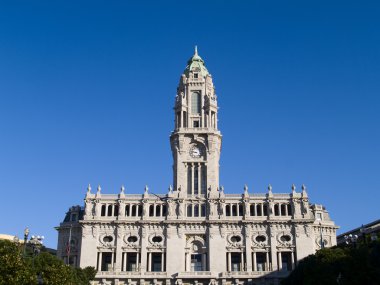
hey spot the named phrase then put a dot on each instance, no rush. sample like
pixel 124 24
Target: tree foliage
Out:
pixel 15 269
pixel 350 265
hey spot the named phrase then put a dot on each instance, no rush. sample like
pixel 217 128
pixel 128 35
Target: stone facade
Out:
pixel 196 233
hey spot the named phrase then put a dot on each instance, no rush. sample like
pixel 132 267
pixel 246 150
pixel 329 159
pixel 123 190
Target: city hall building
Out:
pixel 196 233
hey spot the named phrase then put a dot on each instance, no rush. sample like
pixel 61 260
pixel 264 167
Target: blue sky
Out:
pixel 87 90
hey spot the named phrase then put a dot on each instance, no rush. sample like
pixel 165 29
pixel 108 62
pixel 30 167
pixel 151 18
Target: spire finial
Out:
pixel 293 188
pixel 196 50
pixel 89 188
pixel 269 188
pixel 122 189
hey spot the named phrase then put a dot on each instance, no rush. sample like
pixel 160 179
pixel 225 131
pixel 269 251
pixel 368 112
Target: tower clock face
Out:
pixel 195 152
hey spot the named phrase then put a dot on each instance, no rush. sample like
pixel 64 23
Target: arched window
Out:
pixel 127 213
pixel 196 180
pixel 133 214
pixel 204 177
pixel 151 210
pixel 198 256
pixel 241 210
pixel 265 210
pixel 276 210
pixel 196 210
pixel 283 210
pixel 252 209
pixel 203 210
pixel 139 210
pixel 189 210
pixel 116 210
pixel 103 212
pixel 289 210
pixel 258 210
pixel 234 210
pixel 158 210
pixel 189 177
pixel 109 211
pixel 228 210
pixel 196 103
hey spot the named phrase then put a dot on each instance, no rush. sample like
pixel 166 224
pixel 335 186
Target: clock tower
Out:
pixel 196 140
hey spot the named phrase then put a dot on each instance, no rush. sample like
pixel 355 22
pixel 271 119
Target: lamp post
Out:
pixel 26 235
pixel 351 239
pixel 36 242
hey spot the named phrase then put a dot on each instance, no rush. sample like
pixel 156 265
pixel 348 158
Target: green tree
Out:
pixel 14 269
pixel 52 270
pixel 354 265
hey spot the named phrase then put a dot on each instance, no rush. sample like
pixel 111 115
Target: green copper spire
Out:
pixel 196 64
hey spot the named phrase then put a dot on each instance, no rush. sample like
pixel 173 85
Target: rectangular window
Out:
pixel 286 258
pixel 196 124
pixel 203 210
pixel 235 261
pixel 156 262
pixel 132 261
pixel 196 262
pixel 204 179
pixel 106 261
pixel 260 261
pixel 195 75
pixel 189 182
pixel 196 180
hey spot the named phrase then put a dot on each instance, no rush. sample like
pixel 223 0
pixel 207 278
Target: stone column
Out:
pixel 199 178
pixel 138 264
pixel 144 244
pixel 162 261
pixel 204 262
pixel 279 260
pixel 267 263
pixel 100 261
pixel 273 244
pixel 118 250
pixel 254 262
pixel 293 260
pixel 229 261
pixel 248 248
pixel 149 262
pixel 192 178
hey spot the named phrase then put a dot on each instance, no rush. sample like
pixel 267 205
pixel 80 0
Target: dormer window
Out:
pixel 73 217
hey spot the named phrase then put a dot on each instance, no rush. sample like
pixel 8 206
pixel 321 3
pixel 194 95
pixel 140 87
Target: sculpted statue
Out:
pixel 180 210
pixel 88 209
pixel 170 208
